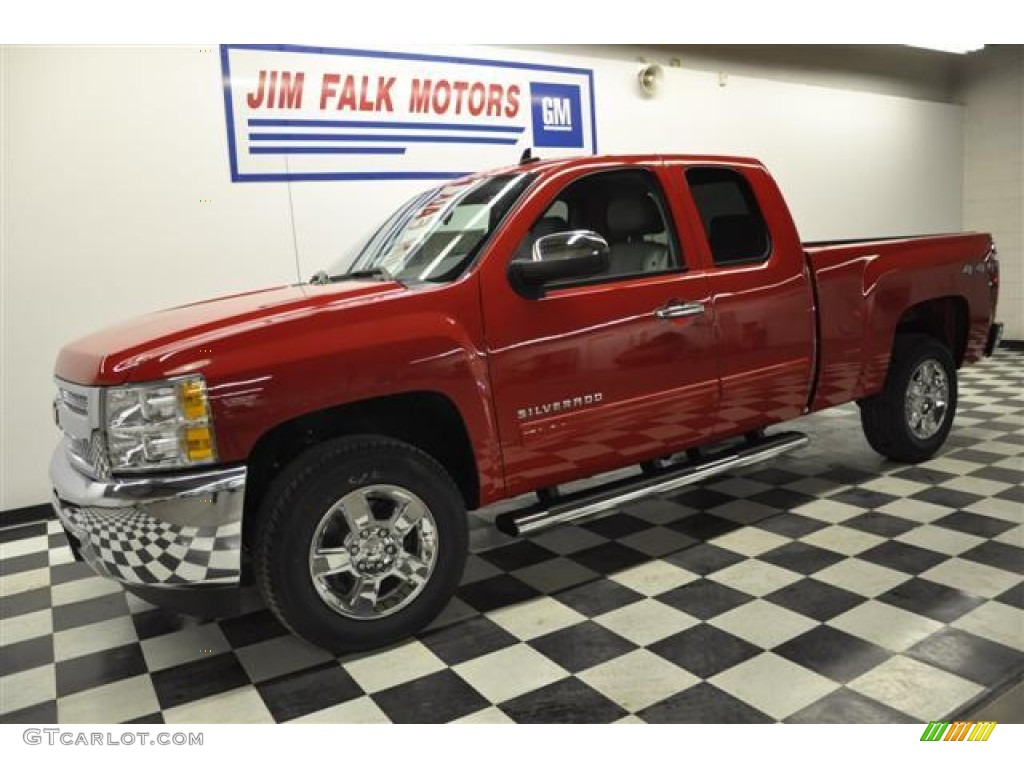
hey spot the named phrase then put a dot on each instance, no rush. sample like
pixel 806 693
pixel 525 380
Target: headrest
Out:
pixel 737 237
pixel 549 225
pixel 632 216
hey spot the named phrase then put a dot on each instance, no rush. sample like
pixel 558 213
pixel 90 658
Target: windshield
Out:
pixel 436 235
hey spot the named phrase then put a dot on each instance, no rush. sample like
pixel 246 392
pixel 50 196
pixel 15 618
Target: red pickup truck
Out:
pixel 506 333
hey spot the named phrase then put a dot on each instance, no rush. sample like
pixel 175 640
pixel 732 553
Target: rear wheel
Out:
pixel 910 418
pixel 361 542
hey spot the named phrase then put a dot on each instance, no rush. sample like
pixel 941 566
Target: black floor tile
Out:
pixel 923 475
pixel 847 475
pixel 198 679
pixel 832 653
pixel 597 597
pixel 19 532
pixel 158 622
pixel 250 628
pixel 704 599
pixel 863 498
pixel 609 558
pixel 969 656
pixel 704 526
pixel 976 525
pixel 467 640
pixel 96 669
pixel 20 603
pixel 704 558
pixel 975 456
pixel 154 718
pixel 30 562
pixel 567 701
pixel 880 524
pixel 582 646
pixel 17 657
pixel 1000 475
pixel 521 554
pixel 705 650
pixel 947 497
pixel 998 555
pixel 773 476
pixel 437 698
pixel 496 592
pixel 1016 493
pixel 936 601
pixel 301 693
pixel 815 599
pixel 848 707
pixel 781 499
pixel 617 526
pixel 43 713
pixel 65 572
pixel 801 557
pixel 703 704
pixel 1013 596
pixel 702 498
pixel 89 611
pixel 902 557
pixel 791 526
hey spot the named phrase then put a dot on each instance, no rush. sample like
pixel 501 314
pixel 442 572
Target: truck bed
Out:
pixel 866 288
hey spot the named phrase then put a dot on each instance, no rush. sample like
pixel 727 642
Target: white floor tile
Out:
pixel 918 689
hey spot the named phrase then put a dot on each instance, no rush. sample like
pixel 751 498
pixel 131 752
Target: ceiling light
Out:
pixel 949 48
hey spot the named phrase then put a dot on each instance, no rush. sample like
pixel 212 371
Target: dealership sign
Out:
pixel 301 113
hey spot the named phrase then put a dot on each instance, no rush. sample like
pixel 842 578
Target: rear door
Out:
pixel 760 292
pixel 607 371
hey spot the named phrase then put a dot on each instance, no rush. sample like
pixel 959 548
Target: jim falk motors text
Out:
pixel 279 89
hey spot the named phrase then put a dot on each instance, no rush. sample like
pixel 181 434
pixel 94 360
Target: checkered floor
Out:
pixel 828 586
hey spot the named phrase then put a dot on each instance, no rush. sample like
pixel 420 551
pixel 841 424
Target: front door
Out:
pixel 611 370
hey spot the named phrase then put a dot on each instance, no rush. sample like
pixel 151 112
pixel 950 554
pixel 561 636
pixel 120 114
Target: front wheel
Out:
pixel 910 418
pixel 361 542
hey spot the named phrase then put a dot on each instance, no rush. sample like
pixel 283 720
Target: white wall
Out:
pixel 993 92
pixel 109 152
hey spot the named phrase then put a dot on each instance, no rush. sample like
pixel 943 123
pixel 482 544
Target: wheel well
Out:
pixel 944 319
pixel 427 420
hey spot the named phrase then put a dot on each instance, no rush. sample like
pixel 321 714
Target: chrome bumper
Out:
pixel 160 531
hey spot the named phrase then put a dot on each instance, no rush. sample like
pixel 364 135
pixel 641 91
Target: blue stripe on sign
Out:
pixel 377 137
pixel 260 122
pixel 326 150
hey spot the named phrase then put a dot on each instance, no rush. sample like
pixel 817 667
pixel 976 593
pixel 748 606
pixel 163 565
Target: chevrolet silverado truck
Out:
pixel 496 337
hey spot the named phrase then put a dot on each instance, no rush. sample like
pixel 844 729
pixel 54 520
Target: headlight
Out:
pixel 164 425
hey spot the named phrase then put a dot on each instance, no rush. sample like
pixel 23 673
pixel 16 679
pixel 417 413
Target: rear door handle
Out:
pixel 680 309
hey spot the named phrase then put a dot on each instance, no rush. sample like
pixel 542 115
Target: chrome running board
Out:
pixel 569 509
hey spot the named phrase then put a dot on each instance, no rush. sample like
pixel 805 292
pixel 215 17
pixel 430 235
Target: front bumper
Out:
pixel 177 530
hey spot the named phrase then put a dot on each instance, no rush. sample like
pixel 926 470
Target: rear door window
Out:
pixel 733 223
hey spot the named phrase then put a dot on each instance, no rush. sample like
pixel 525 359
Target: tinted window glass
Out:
pixel 732 219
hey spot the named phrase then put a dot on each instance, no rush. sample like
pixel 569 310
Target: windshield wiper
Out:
pixel 379 272
pixel 322 278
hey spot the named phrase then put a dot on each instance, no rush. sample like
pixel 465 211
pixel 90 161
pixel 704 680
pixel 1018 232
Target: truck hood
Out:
pixel 109 356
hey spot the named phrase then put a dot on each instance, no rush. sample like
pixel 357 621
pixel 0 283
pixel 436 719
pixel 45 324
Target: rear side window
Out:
pixel 732 219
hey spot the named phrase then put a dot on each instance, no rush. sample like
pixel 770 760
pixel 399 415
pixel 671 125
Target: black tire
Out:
pixel 883 416
pixel 293 513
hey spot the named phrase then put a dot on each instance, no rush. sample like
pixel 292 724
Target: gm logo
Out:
pixel 557 115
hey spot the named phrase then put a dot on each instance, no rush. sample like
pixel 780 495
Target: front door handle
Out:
pixel 680 309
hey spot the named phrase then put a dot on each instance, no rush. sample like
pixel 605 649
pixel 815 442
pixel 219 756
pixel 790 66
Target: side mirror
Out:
pixel 561 256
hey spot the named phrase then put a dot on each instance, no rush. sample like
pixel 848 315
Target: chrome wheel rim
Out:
pixel 373 552
pixel 927 400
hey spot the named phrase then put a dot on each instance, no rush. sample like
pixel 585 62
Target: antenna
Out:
pixel 527 157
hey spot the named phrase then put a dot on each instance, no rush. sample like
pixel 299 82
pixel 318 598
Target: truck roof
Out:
pixel 561 163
